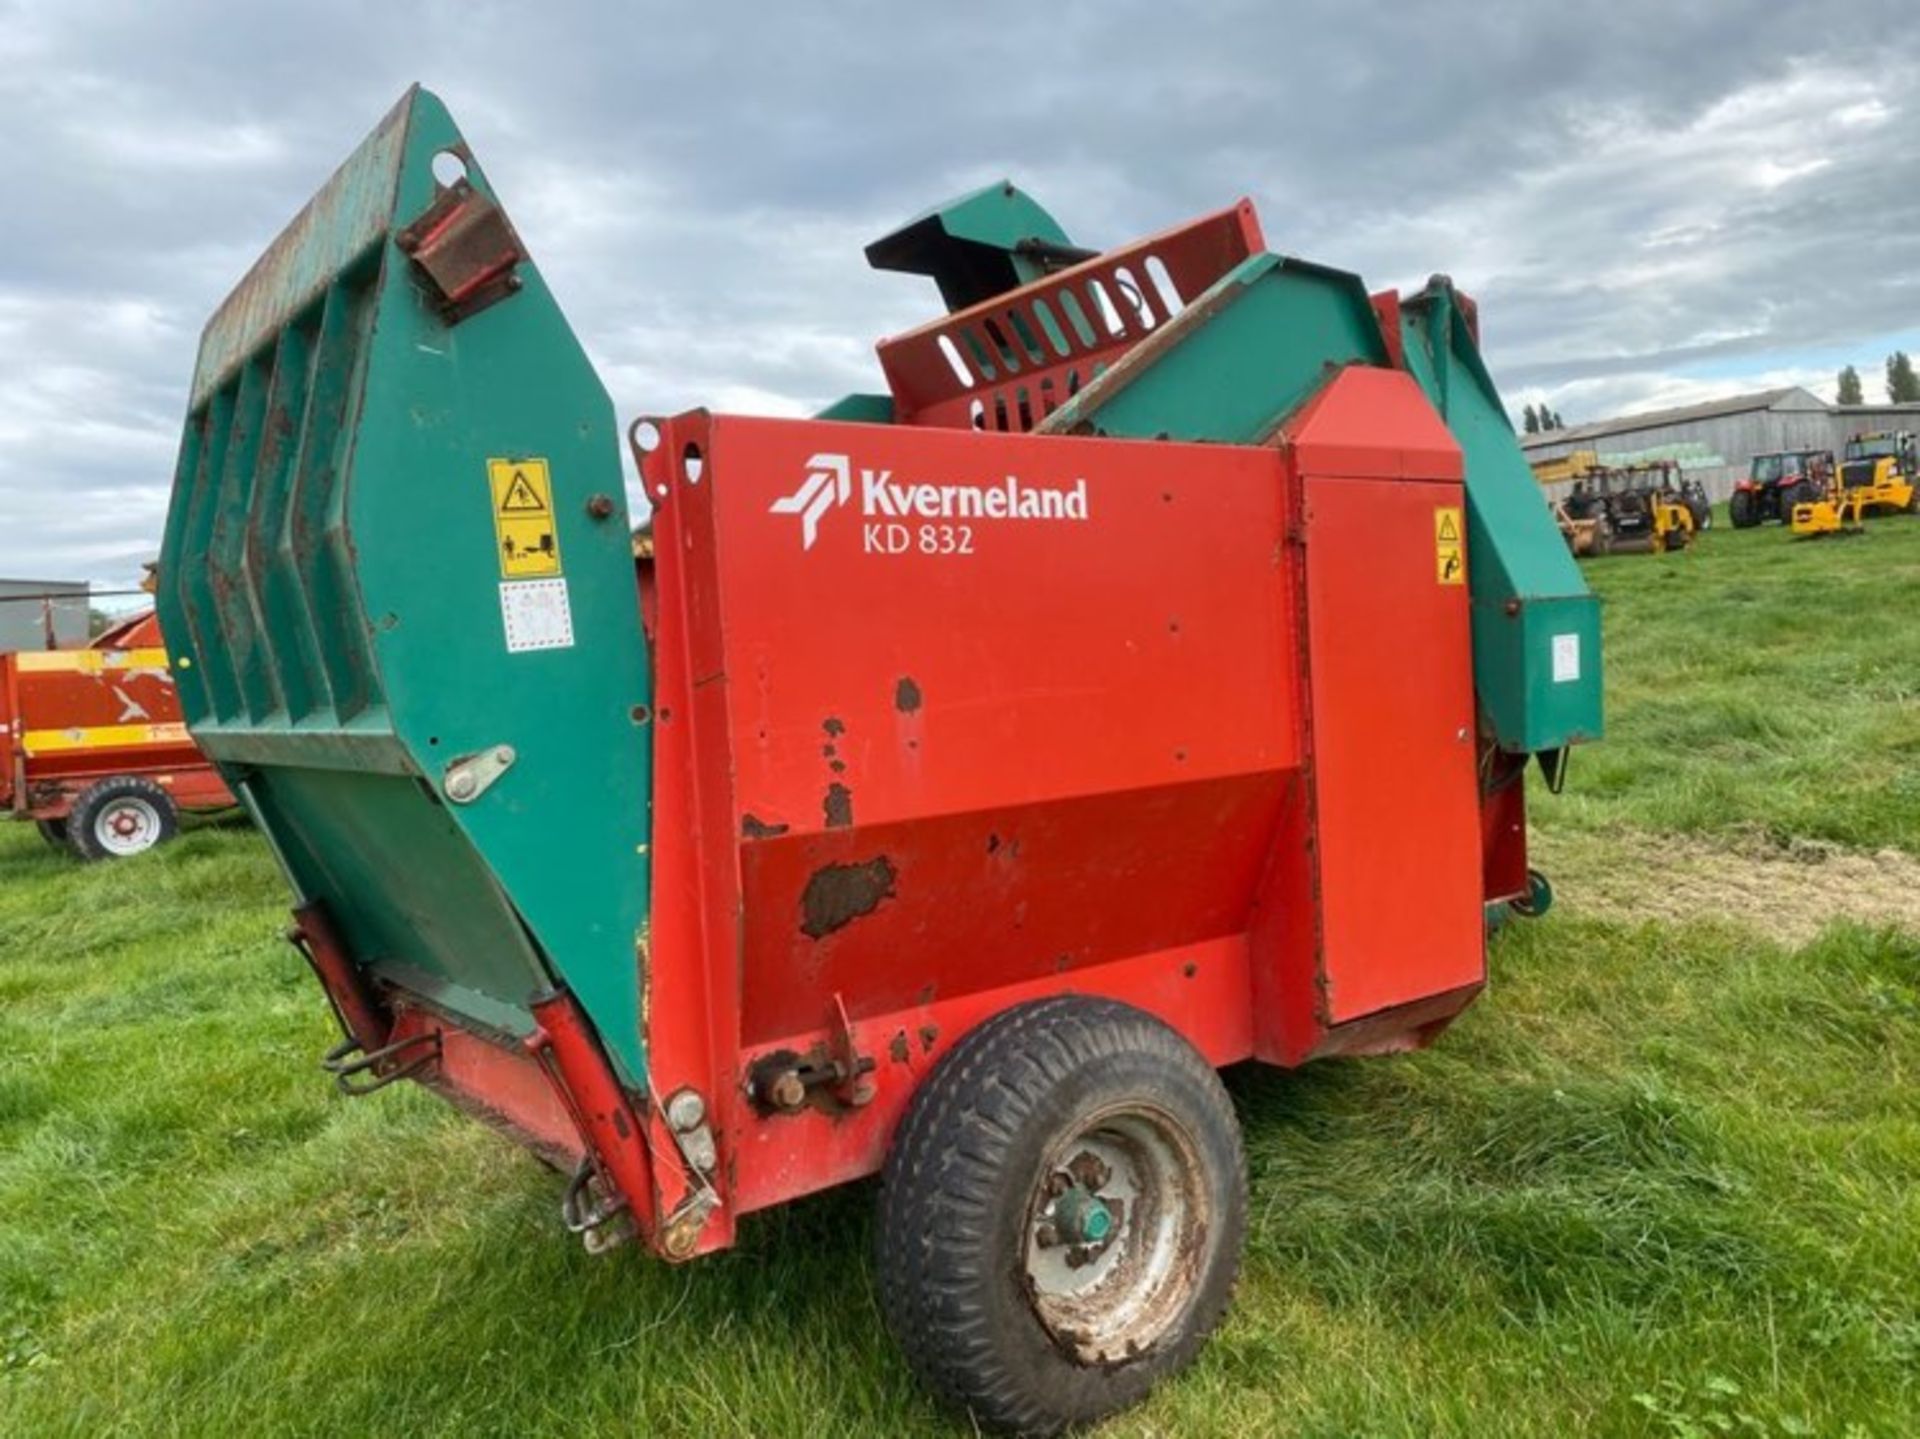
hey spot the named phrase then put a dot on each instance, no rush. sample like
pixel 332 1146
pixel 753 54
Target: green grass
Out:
pixel 1665 1178
pixel 1761 682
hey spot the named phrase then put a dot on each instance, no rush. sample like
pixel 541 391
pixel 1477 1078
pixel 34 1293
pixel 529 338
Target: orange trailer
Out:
pixel 95 751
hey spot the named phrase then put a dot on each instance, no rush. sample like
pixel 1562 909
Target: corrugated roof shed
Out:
pixel 1654 419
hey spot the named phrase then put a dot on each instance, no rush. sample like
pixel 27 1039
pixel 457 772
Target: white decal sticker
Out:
pixel 536 614
pixel 1566 659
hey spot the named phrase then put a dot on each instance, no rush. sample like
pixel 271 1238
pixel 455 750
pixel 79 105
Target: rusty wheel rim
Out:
pixel 1107 1300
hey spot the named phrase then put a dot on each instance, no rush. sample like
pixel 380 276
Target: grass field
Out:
pixel 1664 1178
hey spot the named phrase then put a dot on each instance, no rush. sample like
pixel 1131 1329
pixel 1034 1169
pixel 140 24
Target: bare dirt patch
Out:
pixel 1790 894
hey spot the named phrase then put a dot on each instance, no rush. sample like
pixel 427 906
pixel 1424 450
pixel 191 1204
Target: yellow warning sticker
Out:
pixel 1449 546
pixel 523 518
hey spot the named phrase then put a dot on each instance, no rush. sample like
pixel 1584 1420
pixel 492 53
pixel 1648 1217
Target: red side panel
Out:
pixel 1395 821
pixel 1369 930
pixel 1393 723
pixel 918 766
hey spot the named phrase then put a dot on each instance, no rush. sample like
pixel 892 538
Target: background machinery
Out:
pixel 1880 470
pixel 93 746
pixel 1875 475
pixel 1644 508
pixel 904 821
pixel 1776 482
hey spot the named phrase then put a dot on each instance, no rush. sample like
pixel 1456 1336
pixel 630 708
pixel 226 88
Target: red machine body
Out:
pixel 1219 761
pixel 69 718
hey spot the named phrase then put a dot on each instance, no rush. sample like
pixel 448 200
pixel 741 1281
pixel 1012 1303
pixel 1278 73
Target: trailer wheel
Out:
pixel 1740 510
pixel 1062 1214
pixel 53 831
pixel 119 816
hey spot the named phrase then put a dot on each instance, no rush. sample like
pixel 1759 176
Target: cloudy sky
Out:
pixel 1654 203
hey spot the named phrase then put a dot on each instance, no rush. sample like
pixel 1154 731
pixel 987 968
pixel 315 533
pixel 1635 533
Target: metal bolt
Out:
pixel 679 1241
pixel 787 1092
pixel 462 784
pixel 686 1110
pixel 1088 1169
pixel 1046 1236
pixel 600 507
pixel 504 754
pixel 699 1149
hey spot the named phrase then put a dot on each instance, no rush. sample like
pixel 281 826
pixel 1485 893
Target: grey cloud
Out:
pixel 697 183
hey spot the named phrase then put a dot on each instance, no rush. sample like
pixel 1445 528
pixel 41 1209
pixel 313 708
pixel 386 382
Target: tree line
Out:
pixel 1539 421
pixel 1903 385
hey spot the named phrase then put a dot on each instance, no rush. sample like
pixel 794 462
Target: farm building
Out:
pixel 1714 441
pixel 42 614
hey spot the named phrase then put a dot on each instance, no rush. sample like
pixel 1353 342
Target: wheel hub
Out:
pixel 1114 1230
pixel 127 826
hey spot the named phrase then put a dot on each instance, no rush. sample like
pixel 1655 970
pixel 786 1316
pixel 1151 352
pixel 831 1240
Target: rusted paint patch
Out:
pixel 834 726
pixel 898 1047
pixel 906 695
pixel 753 827
pixel 838 894
pixel 838 806
pixel 929 1036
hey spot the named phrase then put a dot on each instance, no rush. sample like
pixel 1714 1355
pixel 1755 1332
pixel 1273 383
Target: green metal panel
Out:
pixel 1536 626
pixel 974 247
pixel 334 593
pixel 860 409
pixel 1234 363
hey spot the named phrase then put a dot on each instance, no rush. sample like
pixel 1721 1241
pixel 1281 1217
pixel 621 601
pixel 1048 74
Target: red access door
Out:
pixel 1390 677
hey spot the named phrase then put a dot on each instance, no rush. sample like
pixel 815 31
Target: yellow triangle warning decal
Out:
pixel 1449 529
pixel 521 498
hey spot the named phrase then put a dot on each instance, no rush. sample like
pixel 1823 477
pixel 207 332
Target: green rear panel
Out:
pixel 1536 627
pixel 1234 363
pixel 334 597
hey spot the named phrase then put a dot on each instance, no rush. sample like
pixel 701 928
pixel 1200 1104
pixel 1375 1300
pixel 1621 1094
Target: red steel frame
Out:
pixel 1007 363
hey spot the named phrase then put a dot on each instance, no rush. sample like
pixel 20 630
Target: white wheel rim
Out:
pixel 127 825
pixel 1110 1301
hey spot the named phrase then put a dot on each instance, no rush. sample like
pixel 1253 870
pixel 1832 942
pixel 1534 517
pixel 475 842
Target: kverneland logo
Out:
pixel 829 485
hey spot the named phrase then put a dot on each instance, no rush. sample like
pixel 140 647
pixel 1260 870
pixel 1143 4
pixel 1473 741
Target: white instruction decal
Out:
pixel 537 615
pixel 1566 658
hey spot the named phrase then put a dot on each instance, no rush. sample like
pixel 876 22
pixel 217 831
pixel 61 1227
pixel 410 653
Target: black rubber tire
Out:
pixel 53 831
pixel 84 819
pixel 956 1196
pixel 1740 510
pixel 1702 514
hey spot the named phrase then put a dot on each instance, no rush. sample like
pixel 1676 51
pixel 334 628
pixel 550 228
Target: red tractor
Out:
pixel 1776 482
